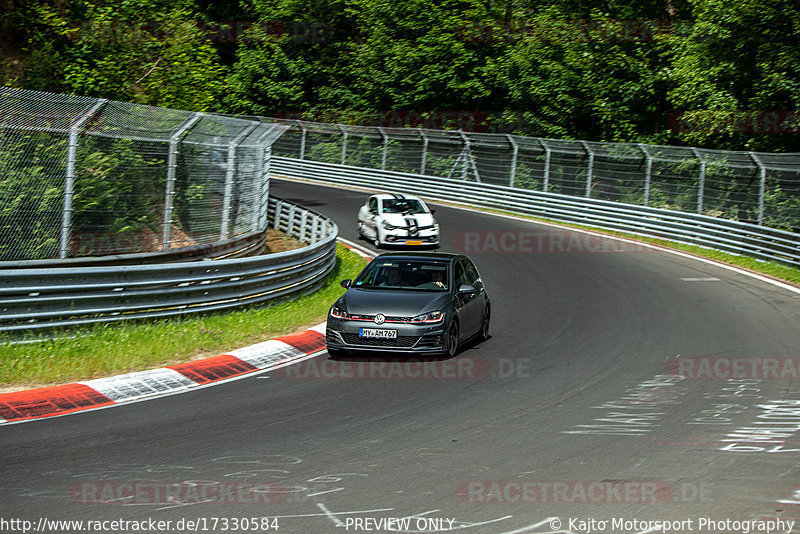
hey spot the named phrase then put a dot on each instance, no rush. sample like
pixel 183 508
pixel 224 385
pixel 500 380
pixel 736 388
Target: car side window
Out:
pixel 461 275
pixel 471 272
pixel 373 205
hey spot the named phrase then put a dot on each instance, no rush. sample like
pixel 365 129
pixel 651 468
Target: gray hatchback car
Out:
pixel 422 303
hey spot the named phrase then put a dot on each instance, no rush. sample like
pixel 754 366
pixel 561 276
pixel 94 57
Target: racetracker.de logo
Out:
pixel 727 368
pixel 565 492
pixel 142 492
pixel 398 369
pixel 536 242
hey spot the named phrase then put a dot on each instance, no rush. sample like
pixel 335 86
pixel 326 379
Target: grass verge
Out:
pixel 105 350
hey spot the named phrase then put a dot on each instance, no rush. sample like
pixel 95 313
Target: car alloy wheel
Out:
pixel 485 325
pixel 451 346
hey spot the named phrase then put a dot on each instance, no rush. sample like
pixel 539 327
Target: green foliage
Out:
pixel 737 57
pixel 31 196
pixel 144 51
pixel 613 70
pixel 116 188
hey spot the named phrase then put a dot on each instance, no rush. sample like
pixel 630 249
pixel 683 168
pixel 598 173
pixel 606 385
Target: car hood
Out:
pixel 398 219
pixel 396 302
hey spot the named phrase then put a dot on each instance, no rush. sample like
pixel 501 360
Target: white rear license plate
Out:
pixel 377 332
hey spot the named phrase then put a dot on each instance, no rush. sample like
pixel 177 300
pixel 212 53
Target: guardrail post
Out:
pixel 276 223
pixel 547 153
pixel 229 176
pixel 172 159
pixel 315 230
pixel 69 181
pixel 424 160
pixel 344 143
pixel 303 225
pixel 648 174
pixel 385 148
pixel 515 148
pixel 762 190
pixel 290 222
pixel 701 181
pixel 589 169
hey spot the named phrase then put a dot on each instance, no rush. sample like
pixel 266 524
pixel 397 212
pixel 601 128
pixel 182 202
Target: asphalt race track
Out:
pixel 624 389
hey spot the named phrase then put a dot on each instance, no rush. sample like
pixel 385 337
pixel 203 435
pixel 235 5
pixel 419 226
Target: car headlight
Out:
pixel 388 226
pixel 339 313
pixel 428 318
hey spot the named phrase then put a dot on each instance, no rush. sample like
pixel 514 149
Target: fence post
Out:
pixel 590 168
pixel 172 159
pixel 762 190
pixel 229 176
pixel 261 210
pixel 648 176
pixel 302 140
pixel 344 143
pixel 469 161
pixel 547 152
pixel 69 181
pixel 515 148
pixel 424 151
pixel 385 148
pixel 701 181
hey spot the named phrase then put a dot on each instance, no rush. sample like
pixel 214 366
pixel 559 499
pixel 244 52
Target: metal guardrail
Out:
pixel 730 236
pixel 752 187
pixel 45 298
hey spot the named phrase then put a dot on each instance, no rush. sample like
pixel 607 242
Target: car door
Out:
pixel 481 297
pixel 370 214
pixel 469 303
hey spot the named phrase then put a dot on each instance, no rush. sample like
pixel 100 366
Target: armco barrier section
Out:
pixel 731 236
pixel 45 298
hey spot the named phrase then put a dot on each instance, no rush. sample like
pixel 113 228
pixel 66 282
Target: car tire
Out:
pixel 377 242
pixel 484 331
pixel 451 340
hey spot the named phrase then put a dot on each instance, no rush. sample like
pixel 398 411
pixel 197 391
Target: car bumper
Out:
pixel 397 237
pixel 417 339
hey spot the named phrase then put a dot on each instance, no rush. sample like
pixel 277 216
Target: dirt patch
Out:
pixel 277 241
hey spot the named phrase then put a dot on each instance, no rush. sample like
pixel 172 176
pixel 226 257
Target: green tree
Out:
pixel 738 59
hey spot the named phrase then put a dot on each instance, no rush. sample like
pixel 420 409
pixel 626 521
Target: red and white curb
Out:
pixel 54 401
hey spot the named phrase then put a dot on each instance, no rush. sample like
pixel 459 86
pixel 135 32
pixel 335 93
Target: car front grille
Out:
pixel 400 342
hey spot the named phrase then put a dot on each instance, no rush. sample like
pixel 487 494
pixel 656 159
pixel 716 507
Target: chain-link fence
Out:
pixel 85 177
pixel 750 187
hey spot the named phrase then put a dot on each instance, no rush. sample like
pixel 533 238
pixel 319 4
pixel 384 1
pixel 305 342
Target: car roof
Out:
pixel 422 255
pixel 396 196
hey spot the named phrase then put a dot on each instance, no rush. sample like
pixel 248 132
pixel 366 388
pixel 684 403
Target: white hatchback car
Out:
pixel 397 219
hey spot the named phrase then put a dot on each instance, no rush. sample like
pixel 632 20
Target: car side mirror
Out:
pixel 466 288
pixel 346 283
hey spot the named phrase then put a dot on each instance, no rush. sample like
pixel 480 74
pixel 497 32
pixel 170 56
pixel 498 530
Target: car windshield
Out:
pixel 416 275
pixel 403 205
